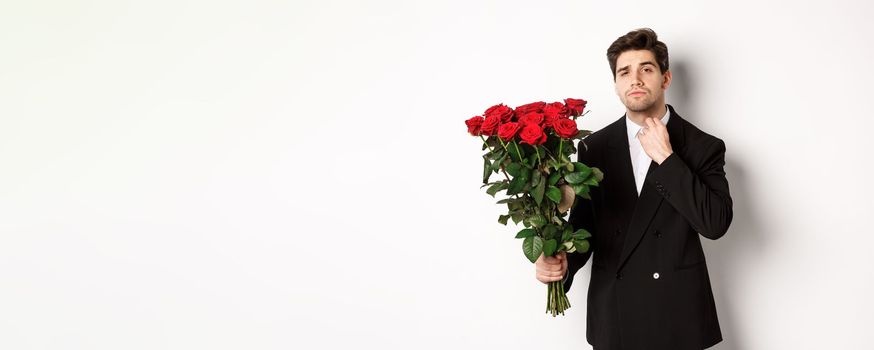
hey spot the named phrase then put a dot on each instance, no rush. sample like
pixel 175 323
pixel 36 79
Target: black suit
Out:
pixel 650 287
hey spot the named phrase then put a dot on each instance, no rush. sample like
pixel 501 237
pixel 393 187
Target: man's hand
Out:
pixel 551 268
pixel 654 139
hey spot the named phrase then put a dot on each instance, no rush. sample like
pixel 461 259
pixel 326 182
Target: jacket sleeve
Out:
pixel 701 196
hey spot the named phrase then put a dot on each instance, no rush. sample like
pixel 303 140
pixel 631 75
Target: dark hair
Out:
pixel 638 39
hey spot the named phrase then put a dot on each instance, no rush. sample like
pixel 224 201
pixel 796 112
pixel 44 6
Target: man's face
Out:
pixel 639 82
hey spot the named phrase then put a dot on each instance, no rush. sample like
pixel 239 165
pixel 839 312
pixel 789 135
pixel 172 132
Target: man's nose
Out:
pixel 635 80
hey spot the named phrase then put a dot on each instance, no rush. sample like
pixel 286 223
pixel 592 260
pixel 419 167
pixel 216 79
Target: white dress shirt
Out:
pixel 640 161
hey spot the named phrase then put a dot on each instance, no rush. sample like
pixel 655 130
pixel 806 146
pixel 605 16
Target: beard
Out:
pixel 640 105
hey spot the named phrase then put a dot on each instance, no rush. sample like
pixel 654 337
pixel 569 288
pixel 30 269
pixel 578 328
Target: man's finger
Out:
pixel 642 137
pixel 650 122
pixel 549 275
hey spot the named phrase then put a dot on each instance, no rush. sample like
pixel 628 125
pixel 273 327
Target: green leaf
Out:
pixel 598 174
pixel 581 134
pixel 503 219
pixel 584 195
pixel 591 181
pixel 580 189
pixel 486 170
pixel 557 220
pixel 500 160
pixel 582 234
pixel 566 236
pixel 516 185
pixel 536 177
pixel 554 164
pixel 514 169
pixel 492 183
pixel 537 220
pixel 495 188
pixel 532 247
pixel 553 178
pixel 582 246
pixel 549 231
pixel 549 247
pixel 526 232
pixel 554 194
pixel 576 178
pixel 537 192
pixel 560 144
pixel 517 218
pixel 517 153
pixel 580 168
pixel 531 161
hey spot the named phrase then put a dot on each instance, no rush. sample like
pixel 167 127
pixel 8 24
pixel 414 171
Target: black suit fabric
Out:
pixel 650 287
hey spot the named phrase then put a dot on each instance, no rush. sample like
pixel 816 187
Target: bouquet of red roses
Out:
pixel 531 147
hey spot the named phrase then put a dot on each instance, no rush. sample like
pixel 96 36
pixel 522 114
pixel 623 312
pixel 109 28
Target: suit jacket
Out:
pixel 649 287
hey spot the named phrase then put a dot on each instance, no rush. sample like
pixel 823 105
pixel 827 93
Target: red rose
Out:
pixel 565 128
pixel 549 121
pixel 555 109
pixel 490 125
pixel 532 134
pixel 575 106
pixel 535 107
pixel 473 125
pixel 500 110
pixel 508 130
pixel 531 118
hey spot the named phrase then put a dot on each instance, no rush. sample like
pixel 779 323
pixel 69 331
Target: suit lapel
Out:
pixel 649 201
pixel 621 169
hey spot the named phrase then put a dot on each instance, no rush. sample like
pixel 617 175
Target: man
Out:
pixel 664 184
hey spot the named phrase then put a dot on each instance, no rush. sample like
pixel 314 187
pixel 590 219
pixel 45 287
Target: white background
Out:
pixel 297 175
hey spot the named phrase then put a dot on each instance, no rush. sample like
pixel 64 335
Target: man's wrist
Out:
pixel 665 157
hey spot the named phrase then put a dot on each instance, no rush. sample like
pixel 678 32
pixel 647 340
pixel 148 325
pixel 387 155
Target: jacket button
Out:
pixel 655 276
pixel 619 276
pixel 658 234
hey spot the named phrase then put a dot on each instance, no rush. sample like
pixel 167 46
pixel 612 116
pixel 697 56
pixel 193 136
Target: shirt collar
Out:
pixel 632 128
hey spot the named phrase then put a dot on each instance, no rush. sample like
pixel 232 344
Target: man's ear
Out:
pixel 667 80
